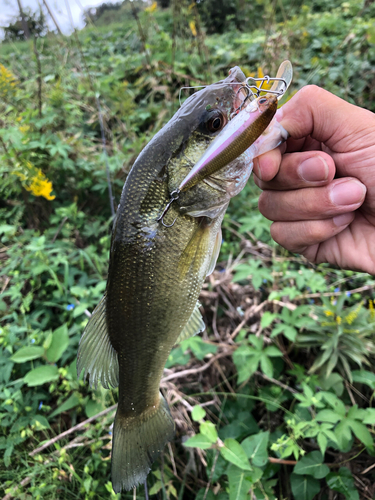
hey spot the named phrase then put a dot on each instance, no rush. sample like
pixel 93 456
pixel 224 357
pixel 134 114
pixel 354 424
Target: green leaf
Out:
pixel 266 366
pixel 267 319
pixel 41 375
pixel 322 442
pixel 198 413
pixel 364 377
pixel 304 487
pixel 239 486
pixel 361 432
pixel 328 416
pixel 59 343
pixel 343 434
pixel 68 404
pixel 343 482
pixel 41 422
pixel 198 347
pixel 234 453
pixel 311 465
pixel 208 429
pixel 93 407
pixel 272 351
pixel 7 455
pixel 27 353
pixel 370 416
pixel 198 441
pixel 256 448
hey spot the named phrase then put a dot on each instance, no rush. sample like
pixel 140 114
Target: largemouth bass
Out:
pixel 156 272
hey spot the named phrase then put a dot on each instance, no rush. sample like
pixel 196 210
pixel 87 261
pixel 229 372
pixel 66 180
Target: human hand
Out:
pixel 319 187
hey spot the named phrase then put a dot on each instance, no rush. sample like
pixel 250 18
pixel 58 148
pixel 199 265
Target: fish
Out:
pixel 156 272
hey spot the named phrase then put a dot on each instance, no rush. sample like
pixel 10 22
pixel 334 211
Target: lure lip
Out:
pixel 243 121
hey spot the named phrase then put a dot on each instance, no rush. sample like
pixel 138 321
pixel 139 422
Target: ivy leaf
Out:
pixel 235 454
pixel 343 482
pixel 304 487
pixel 256 448
pixel 208 429
pixel 239 486
pixel 198 413
pixel 311 465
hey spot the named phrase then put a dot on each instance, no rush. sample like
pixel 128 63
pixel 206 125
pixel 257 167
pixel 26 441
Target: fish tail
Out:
pixel 137 442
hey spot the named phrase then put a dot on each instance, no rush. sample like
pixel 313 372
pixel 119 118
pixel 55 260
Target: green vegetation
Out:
pixel 276 400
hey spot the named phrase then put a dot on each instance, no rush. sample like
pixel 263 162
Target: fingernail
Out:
pixel 314 169
pixel 256 168
pixel 343 220
pixel 348 193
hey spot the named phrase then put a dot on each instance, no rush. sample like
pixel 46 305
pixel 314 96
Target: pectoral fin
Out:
pixel 195 253
pixel 194 326
pixel 96 357
pixel 215 253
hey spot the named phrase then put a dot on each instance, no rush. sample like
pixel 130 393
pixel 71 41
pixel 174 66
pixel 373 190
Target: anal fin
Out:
pixel 96 357
pixel 194 325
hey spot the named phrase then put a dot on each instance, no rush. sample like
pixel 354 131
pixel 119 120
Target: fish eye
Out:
pixel 263 100
pixel 215 122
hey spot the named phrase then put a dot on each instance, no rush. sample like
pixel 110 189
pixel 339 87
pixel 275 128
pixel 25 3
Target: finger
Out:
pixel 266 166
pixel 300 236
pixel 300 170
pixel 316 112
pixel 340 196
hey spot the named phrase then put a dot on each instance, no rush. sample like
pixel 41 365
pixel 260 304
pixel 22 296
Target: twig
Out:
pixel 368 469
pixel 39 78
pixel 89 78
pixel 191 371
pixel 141 34
pixel 334 294
pixel 276 382
pixel 211 474
pixel 220 370
pixel 59 229
pixel 105 154
pixel 252 311
pixel 7 281
pixel 72 429
pixel 24 482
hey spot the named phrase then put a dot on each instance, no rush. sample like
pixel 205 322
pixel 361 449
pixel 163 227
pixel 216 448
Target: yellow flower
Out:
pixel 24 128
pixel 328 313
pixel 152 7
pixel 338 320
pixel 193 29
pixel 7 81
pixel 353 315
pixel 35 181
pixel 371 304
pixel 41 186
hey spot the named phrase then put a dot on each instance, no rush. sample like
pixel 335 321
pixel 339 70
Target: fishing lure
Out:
pixel 249 122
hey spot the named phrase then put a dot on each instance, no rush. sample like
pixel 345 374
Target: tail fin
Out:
pixel 137 442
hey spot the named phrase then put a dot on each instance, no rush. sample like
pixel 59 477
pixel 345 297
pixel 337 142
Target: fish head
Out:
pixel 207 113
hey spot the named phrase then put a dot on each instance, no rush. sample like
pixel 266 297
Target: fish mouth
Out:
pixel 237 79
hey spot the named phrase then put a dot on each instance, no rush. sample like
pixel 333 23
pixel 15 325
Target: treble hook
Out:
pixel 266 79
pixel 174 196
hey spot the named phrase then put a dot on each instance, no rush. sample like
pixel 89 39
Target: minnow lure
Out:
pixel 240 133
